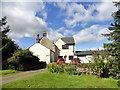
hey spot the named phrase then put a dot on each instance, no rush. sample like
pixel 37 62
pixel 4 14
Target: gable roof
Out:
pixel 69 41
pixel 47 43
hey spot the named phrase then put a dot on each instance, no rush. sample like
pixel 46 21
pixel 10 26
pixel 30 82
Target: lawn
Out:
pixel 7 72
pixel 49 80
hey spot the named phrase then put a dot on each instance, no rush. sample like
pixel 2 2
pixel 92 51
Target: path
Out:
pixel 20 75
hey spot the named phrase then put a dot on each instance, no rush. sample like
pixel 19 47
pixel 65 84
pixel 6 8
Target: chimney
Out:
pixel 37 39
pixel 44 34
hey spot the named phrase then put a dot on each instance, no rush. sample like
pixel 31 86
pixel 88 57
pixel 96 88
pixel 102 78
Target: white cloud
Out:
pixel 21 16
pixel 66 32
pixel 53 34
pixel 93 33
pixel 22 20
pixel 78 14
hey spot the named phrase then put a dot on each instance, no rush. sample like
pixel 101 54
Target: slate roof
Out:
pixel 69 41
pixel 84 53
pixel 47 43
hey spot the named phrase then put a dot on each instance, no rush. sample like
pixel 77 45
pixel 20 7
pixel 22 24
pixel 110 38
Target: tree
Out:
pixel 8 46
pixel 113 48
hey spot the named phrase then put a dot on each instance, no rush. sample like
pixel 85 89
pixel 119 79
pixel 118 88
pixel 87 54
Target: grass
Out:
pixel 49 80
pixel 7 72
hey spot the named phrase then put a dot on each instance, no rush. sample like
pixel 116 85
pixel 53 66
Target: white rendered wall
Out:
pixel 65 52
pixel 41 52
pixel 85 59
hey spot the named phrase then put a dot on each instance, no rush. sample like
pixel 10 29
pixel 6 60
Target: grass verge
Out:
pixel 7 72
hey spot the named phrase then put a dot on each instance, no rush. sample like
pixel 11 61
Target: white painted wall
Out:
pixel 59 44
pixel 41 52
pixel 85 59
pixel 63 52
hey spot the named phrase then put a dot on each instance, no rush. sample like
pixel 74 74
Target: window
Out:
pixel 65 46
pixel 70 57
pixel 65 57
pixel 60 56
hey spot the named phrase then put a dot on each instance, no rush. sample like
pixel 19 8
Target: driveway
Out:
pixel 20 75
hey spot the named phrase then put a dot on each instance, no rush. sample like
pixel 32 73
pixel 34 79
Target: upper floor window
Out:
pixel 65 47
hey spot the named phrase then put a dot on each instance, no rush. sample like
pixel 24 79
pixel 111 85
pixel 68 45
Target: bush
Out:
pixel 23 60
pixel 53 67
pixel 100 67
pixel 70 69
pixel 42 64
pixel 59 68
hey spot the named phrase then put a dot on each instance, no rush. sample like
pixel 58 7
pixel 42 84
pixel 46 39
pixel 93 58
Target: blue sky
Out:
pixel 84 21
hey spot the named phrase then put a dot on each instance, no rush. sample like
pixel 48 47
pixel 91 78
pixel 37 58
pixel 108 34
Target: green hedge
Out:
pixel 24 60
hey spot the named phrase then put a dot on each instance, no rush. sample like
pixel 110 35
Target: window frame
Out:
pixel 65 46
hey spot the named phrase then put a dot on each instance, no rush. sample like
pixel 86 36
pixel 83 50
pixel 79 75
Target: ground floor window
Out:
pixel 65 57
pixel 60 56
pixel 70 57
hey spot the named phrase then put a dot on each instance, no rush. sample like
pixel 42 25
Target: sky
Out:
pixel 84 21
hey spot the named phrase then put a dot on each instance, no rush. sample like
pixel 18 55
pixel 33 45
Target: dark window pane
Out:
pixel 60 56
pixel 64 46
pixel 70 57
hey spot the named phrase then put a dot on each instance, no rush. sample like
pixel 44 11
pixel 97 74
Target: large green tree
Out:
pixel 113 48
pixel 8 46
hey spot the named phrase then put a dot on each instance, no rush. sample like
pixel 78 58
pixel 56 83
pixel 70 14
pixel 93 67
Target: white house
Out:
pixel 66 47
pixel 44 49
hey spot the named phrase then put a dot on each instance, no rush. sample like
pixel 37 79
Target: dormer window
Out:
pixel 65 47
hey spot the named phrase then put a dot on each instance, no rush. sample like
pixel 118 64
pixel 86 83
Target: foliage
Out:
pixel 54 80
pixel 62 68
pixel 113 48
pixel 54 68
pixel 23 60
pixel 99 65
pixel 8 46
pixel 71 69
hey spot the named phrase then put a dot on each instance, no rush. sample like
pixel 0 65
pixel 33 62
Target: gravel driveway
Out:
pixel 20 75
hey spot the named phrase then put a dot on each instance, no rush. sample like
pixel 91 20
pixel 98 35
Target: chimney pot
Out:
pixel 37 39
pixel 44 34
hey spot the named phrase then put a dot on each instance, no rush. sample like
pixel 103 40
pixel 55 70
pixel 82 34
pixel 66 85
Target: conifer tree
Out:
pixel 113 48
pixel 8 46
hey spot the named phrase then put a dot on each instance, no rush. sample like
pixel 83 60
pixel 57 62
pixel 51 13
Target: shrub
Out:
pixel 70 69
pixel 53 67
pixel 59 68
pixel 100 67
pixel 23 60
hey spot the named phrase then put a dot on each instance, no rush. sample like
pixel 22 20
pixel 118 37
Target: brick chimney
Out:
pixel 44 34
pixel 37 39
